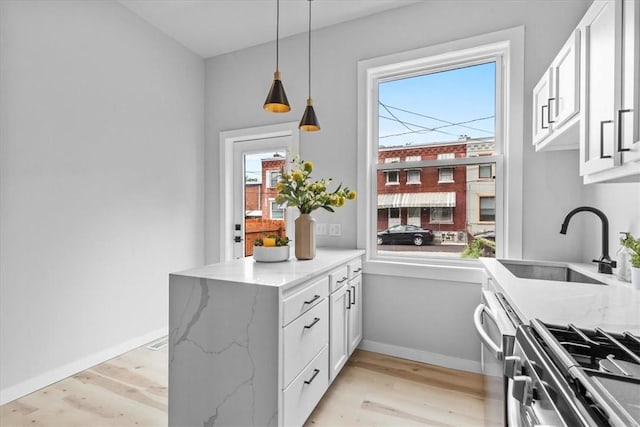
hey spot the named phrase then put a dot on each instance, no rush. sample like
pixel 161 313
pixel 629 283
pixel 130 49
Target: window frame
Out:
pixel 270 174
pixel 408 173
pixel 486 196
pixel 449 220
pixel 272 201
pixel 386 177
pixel 441 180
pixel 507 48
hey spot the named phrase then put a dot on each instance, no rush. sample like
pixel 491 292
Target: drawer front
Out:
pixel 303 339
pixel 355 268
pixel 338 278
pixel 305 299
pixel 304 393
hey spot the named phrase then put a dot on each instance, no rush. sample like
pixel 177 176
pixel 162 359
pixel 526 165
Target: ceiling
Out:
pixel 214 27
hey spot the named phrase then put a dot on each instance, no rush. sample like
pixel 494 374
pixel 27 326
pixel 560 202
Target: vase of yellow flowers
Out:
pixel 300 190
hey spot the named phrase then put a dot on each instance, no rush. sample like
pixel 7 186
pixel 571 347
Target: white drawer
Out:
pixel 303 339
pixel 303 300
pixel 305 391
pixel 338 278
pixel 355 268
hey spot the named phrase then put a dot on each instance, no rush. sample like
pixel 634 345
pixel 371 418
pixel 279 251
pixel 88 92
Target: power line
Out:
pixel 439 127
pixel 421 131
pixel 395 117
pixel 461 124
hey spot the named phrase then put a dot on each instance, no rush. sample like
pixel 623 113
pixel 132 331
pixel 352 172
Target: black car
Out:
pixel 405 234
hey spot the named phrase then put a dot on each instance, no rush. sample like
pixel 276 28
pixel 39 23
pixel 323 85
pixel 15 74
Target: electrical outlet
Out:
pixel 335 230
pixel 321 228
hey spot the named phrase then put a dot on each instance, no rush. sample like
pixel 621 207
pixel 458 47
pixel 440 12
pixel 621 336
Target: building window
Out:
pixel 393 177
pixel 392 160
pixel 487 208
pixel 446 156
pixel 413 216
pixel 273 178
pixel 276 210
pixel 413 158
pixel 413 176
pixel 441 216
pixel 485 172
pixel 445 175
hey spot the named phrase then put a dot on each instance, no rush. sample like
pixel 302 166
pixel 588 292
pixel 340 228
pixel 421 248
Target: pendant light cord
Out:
pixel 277 32
pixel 309 48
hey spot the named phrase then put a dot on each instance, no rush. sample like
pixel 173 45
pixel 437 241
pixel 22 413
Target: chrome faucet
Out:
pixel 605 264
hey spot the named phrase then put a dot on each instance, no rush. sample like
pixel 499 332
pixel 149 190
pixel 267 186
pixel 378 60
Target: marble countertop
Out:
pixel 277 274
pixel 614 307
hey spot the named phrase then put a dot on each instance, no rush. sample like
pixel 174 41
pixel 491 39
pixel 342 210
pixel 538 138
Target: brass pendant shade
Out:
pixel 309 122
pixel 277 101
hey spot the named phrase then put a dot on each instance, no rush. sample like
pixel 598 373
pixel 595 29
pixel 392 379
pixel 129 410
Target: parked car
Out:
pixel 405 234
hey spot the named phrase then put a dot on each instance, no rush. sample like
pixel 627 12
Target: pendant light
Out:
pixel 309 120
pixel 277 101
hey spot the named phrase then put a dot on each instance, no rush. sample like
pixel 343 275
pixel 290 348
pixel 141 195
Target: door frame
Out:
pixel 226 166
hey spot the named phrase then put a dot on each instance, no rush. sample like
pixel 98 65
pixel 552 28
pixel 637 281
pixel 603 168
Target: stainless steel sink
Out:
pixel 558 273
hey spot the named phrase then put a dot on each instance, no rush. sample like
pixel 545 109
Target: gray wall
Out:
pixel 101 184
pixel 237 83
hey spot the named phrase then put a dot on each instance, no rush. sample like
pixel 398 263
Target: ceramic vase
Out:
pixel 635 277
pixel 305 237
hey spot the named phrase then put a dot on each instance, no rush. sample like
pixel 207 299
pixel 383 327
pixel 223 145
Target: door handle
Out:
pixel 312 300
pixel 620 112
pixel 542 126
pixel 484 337
pixel 602 123
pixel 549 110
pixel 313 377
pixel 348 299
pixel 354 295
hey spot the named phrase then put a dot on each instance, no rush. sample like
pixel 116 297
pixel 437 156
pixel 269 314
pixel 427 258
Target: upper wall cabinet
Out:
pixel 609 134
pixel 556 100
pixel 589 96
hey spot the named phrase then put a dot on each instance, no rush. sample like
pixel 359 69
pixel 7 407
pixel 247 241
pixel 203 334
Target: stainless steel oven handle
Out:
pixel 486 339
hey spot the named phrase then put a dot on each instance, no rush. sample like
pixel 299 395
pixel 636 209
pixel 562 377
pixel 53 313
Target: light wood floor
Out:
pixel 372 390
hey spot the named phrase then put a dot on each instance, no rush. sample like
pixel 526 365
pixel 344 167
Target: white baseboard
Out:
pixel 23 388
pixel 422 356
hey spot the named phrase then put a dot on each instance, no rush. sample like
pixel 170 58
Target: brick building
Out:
pixel 433 198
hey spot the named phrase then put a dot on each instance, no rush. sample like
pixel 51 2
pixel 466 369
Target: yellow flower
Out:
pixel 333 200
pixel 297 176
pixel 280 186
pixel 351 195
pixel 279 199
pixel 340 201
pixel 308 166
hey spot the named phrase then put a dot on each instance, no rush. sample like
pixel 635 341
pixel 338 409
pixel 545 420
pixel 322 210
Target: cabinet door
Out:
pixel 602 61
pixel 355 313
pixel 338 335
pixel 566 82
pixel 541 95
pixel 628 115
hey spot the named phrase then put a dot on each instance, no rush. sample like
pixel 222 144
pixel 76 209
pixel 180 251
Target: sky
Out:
pixel 453 96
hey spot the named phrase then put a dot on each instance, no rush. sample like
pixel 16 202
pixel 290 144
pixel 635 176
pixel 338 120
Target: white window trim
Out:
pixel 446 181
pixel 445 221
pixel 386 177
pixel 507 44
pixel 271 202
pixel 269 173
pixel 419 181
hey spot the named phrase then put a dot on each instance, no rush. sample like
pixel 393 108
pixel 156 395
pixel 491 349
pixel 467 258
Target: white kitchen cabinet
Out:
pixel 345 315
pixel 556 100
pixel 251 343
pixel 610 148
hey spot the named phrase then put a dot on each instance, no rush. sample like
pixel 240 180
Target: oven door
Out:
pixel 497 334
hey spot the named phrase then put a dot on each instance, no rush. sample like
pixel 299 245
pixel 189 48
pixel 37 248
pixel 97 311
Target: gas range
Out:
pixel 563 375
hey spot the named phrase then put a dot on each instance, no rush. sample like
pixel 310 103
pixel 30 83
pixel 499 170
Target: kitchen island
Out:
pixel 249 342
pixel 614 306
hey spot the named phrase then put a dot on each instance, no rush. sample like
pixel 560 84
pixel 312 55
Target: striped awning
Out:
pixel 417 200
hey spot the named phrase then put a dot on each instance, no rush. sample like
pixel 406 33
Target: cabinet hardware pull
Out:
pixel 620 149
pixel 354 295
pixel 349 299
pixel 315 373
pixel 312 300
pixel 549 110
pixel 542 117
pixel 315 320
pixel 357 270
pixel 602 123
pixel 343 279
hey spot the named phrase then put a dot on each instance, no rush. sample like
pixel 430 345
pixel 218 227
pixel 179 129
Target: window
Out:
pixel 413 176
pixel 487 209
pixel 413 158
pixel 393 177
pixel 435 124
pixel 273 178
pixel 277 211
pixel 392 160
pixel 441 216
pixel 484 172
pixel 445 175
